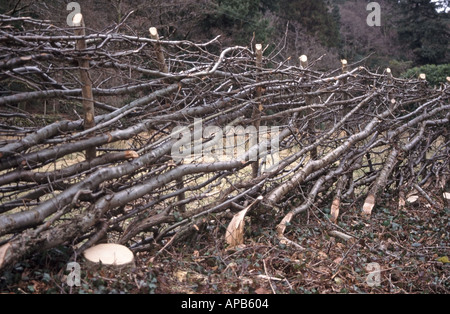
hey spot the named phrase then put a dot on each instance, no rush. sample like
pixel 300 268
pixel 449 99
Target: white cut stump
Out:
pixel 109 254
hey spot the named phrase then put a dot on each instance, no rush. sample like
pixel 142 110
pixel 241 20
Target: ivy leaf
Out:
pixel 443 259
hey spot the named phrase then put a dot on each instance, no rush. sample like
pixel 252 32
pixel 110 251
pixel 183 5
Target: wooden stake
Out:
pixel 309 101
pixel 88 98
pixel 159 53
pixel 164 69
pixel 303 62
pixel 389 75
pixel 257 109
pixel 344 66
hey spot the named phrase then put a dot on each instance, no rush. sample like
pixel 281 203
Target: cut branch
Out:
pixel 334 137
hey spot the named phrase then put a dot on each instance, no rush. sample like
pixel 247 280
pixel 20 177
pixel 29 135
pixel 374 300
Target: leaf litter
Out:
pixel 410 244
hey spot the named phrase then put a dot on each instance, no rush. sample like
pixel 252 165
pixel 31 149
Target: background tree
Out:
pixel 425 31
pixel 315 17
pixel 238 20
pixel 360 40
pixel 412 32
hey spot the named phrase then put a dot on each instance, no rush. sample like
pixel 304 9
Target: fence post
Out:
pixel 258 108
pixel 159 53
pixel 88 98
pixel 344 70
pixel 309 101
pixel 389 75
pixel 162 67
pixel 303 62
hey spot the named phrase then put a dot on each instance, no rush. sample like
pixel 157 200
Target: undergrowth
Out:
pixel 411 246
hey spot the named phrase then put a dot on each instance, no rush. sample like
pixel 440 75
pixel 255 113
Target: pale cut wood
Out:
pixel 270 278
pixel 369 203
pixel 5 250
pixel 154 32
pixel 282 225
pixel 77 20
pixel 340 235
pixel 412 198
pixel 303 61
pixel 131 154
pixel 344 66
pixel 389 75
pixel 234 235
pixel 335 206
pixel 158 50
pixel 335 210
pixel 109 254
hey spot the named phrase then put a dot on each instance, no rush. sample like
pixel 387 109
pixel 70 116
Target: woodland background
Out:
pixel 413 33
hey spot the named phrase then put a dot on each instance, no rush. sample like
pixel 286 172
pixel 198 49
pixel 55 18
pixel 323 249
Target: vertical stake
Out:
pixel 303 62
pixel 162 67
pixel 344 80
pixel 309 101
pixel 88 98
pixel 344 66
pixel 159 53
pixel 258 108
pixel 389 75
